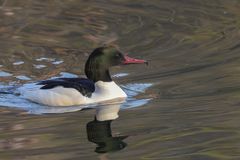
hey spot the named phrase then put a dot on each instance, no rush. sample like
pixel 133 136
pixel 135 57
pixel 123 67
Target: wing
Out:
pixel 84 86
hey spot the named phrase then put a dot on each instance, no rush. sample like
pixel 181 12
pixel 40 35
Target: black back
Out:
pixel 84 86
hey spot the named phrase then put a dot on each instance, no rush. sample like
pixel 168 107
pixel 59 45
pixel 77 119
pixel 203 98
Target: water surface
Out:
pixel 183 106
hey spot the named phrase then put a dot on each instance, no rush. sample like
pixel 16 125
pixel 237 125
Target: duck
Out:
pixel 97 87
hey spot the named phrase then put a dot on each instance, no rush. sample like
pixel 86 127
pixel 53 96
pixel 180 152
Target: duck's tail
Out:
pixel 6 92
pixel 9 90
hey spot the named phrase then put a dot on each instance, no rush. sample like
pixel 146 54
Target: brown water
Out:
pixel 191 94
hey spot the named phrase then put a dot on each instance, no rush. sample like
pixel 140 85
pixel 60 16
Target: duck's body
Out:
pixel 69 96
pixel 96 88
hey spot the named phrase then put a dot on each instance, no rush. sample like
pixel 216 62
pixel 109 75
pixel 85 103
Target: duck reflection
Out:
pixel 99 130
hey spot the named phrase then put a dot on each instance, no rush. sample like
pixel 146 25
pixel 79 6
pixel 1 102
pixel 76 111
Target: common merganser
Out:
pixel 97 87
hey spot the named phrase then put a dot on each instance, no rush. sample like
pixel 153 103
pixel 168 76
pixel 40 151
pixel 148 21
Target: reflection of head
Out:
pixel 114 144
pixel 99 132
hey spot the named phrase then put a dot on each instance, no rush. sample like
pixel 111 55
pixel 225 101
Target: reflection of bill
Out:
pixel 99 130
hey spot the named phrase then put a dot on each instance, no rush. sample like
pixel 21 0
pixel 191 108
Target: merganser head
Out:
pixel 101 59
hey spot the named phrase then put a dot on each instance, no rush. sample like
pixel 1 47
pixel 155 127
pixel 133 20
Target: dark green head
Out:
pixel 101 59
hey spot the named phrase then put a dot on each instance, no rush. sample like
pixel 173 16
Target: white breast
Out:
pixel 60 96
pixel 106 91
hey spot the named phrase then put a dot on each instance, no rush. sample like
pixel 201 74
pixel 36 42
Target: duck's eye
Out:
pixel 118 55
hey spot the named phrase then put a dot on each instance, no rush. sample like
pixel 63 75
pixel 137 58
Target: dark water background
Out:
pixel 193 48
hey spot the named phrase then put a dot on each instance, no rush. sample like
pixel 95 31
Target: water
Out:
pixel 183 105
